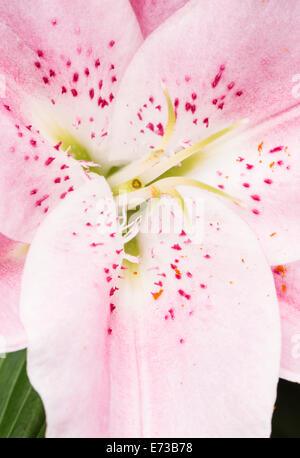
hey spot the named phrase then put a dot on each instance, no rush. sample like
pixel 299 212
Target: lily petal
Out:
pixel 287 280
pixel 12 257
pixel 145 363
pixel 223 62
pixel 261 167
pixel 152 13
pixel 195 332
pixel 79 52
pixel 65 310
pixel 35 176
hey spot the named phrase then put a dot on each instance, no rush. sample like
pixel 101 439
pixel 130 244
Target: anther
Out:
pixel 136 184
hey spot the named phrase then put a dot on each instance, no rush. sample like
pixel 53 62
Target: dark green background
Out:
pixel 286 418
pixel 22 413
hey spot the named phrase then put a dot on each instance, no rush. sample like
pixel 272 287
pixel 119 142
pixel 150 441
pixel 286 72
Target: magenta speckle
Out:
pixel 176 247
pixel 150 126
pixel 160 129
pixel 172 315
pixel 218 77
pixel 112 307
pixel 113 290
pixel 183 294
pixel 40 201
pixel 49 161
pixel 276 150
pixel 91 94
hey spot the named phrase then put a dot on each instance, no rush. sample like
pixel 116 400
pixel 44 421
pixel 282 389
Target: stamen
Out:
pixel 152 168
pixel 168 186
pixel 131 229
pixel 154 172
pixel 123 177
pixel 132 259
pixel 166 183
pixel 136 184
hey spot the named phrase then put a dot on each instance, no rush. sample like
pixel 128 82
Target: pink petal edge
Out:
pixel 152 13
pixel 287 281
pixel 12 257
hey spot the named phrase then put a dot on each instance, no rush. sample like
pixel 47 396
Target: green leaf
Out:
pixel 21 409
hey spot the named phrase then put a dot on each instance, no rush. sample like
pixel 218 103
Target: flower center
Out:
pixel 152 176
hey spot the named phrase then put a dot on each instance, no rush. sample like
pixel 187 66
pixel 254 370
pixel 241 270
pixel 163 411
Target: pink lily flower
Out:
pixel 187 342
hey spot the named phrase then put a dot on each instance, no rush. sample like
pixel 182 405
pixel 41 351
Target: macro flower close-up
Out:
pixel 149 218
